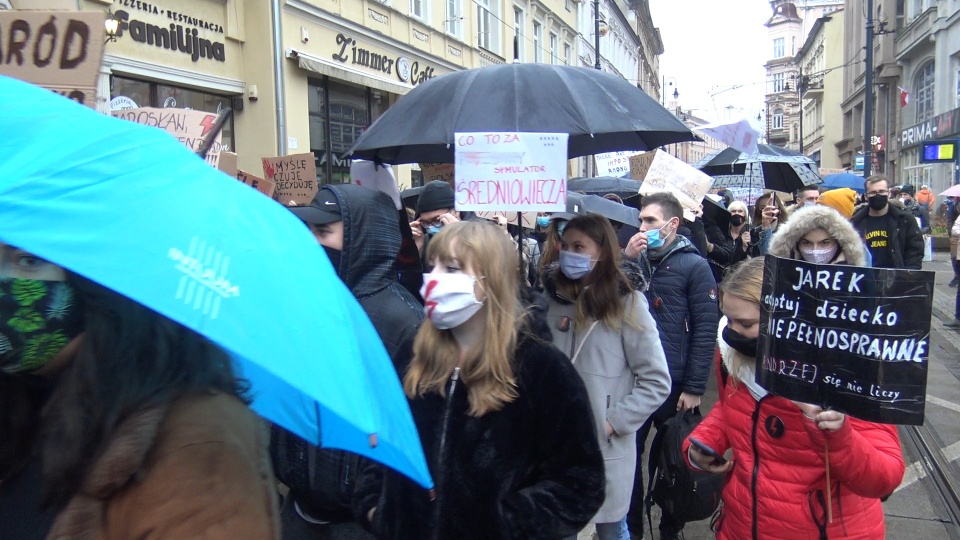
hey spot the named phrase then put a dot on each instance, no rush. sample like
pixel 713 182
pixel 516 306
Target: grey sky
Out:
pixel 713 45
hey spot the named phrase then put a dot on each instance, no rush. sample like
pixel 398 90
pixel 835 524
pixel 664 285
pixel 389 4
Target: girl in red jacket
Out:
pixel 777 484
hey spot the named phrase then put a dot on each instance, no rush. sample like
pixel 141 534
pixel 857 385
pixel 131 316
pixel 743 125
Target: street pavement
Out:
pixel 914 511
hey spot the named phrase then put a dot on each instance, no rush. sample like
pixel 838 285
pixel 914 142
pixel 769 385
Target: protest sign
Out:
pixel 437 171
pixel 662 172
pixel 58 50
pixel 267 187
pixel 378 177
pixel 615 164
pixel 529 219
pixel 848 338
pixel 740 135
pixel 188 126
pixel 511 171
pixel 228 163
pixel 295 177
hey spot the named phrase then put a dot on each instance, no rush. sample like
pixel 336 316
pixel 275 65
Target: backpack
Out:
pixel 682 493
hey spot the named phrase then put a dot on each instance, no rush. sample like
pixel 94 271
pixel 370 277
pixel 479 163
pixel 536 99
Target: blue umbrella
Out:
pixel 136 211
pixel 843 180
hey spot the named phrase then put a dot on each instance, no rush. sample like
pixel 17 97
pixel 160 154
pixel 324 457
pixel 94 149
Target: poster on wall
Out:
pixel 58 50
pixel 511 171
pixel 848 338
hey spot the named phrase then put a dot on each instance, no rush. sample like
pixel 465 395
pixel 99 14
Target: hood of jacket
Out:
pixel 371 238
pixel 784 242
pixel 630 269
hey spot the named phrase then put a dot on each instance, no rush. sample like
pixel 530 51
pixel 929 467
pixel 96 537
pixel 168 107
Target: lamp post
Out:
pixel 663 88
pixel 596 32
pixel 868 95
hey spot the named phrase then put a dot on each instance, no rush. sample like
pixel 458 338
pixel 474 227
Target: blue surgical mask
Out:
pixel 432 229
pixel 543 221
pixel 575 265
pixel 653 238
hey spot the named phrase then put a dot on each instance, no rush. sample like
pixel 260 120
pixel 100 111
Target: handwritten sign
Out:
pixel 615 164
pixel 228 163
pixel 188 126
pixel 853 339
pixel 511 171
pixel 295 177
pixel 267 187
pixel 58 50
pixel 662 172
pixel 741 135
pixel 437 171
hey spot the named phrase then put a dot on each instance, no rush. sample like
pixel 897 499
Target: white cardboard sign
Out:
pixel 616 164
pixel 667 173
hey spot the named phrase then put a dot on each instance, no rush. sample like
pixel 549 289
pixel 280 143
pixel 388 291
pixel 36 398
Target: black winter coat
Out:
pixel 683 300
pixel 531 470
pixel 321 480
pixel 904 233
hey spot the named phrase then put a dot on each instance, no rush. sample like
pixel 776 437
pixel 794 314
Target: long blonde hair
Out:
pixel 487 370
pixel 745 281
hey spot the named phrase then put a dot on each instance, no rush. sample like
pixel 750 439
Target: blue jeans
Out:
pixel 611 531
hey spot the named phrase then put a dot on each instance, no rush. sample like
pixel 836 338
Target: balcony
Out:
pixel 813 90
pixel 915 35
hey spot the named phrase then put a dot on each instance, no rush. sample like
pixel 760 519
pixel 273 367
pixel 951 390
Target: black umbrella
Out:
pixel 601 185
pixel 591 204
pixel 780 169
pixel 716 212
pixel 600 111
pixel 409 196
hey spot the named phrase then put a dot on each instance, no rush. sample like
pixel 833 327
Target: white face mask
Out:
pixel 449 299
pixel 575 265
pixel 819 256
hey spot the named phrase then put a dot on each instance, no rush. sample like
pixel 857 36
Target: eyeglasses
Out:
pixel 883 193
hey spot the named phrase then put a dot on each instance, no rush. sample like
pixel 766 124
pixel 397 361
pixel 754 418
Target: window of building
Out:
pixel 518 32
pixel 779 82
pixel 338 114
pixel 537 35
pixel 488 24
pixel 778 118
pixel 923 95
pixel 778 48
pixel 417 8
pixel 553 49
pixel 566 60
pixel 150 94
pixel 566 4
pixel 454 17
pixel 793 46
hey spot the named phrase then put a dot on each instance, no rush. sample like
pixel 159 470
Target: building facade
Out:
pixel 820 84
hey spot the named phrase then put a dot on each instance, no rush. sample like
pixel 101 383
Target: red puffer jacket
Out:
pixel 777 488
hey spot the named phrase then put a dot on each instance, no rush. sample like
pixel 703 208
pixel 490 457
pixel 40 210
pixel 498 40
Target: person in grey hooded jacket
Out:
pixel 603 324
pixel 358 229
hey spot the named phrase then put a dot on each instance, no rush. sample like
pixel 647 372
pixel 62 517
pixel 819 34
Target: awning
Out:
pixel 339 71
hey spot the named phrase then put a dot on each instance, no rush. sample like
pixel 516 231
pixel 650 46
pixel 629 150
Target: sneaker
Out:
pixel 952 324
pixel 953 282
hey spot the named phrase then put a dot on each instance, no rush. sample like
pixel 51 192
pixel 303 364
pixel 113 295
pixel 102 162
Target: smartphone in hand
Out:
pixel 718 458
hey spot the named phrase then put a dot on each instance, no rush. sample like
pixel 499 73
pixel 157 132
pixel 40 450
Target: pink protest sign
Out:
pixel 519 172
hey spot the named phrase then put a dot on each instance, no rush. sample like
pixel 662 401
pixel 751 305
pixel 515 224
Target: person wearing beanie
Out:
pixel 435 208
pixel 842 200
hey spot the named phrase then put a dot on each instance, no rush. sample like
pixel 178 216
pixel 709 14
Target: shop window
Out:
pixel 150 94
pixel 924 92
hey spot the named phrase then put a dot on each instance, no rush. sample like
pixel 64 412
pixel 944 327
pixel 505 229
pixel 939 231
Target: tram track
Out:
pixel 924 443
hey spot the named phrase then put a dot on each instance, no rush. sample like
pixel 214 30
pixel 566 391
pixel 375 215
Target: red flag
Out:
pixel 904 97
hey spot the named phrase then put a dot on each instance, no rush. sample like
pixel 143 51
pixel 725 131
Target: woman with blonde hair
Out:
pixel 777 483
pixel 601 320
pixel 503 418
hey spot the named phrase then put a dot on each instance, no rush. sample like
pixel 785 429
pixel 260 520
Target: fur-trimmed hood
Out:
pixel 630 268
pixel 808 218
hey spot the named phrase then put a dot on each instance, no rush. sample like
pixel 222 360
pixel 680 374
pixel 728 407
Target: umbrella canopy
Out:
pixel 409 196
pixel 780 169
pixel 624 188
pixel 131 208
pixel 600 111
pixel 715 211
pixel 952 191
pixel 843 180
pixel 591 204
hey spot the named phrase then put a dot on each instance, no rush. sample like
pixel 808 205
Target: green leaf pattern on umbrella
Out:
pixel 40 348
pixel 26 320
pixel 28 291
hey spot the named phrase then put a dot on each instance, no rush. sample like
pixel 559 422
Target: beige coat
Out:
pixel 199 469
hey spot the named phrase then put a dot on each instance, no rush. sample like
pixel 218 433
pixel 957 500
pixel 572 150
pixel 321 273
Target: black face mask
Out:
pixel 878 202
pixel 737 221
pixel 743 345
pixel 334 256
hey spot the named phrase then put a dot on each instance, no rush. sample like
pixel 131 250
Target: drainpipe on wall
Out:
pixel 278 78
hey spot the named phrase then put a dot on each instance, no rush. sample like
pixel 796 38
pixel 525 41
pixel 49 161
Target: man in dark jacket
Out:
pixel 892 234
pixel 919 211
pixel 683 300
pixel 358 229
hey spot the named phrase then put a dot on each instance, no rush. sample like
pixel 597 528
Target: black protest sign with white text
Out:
pixel 847 338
